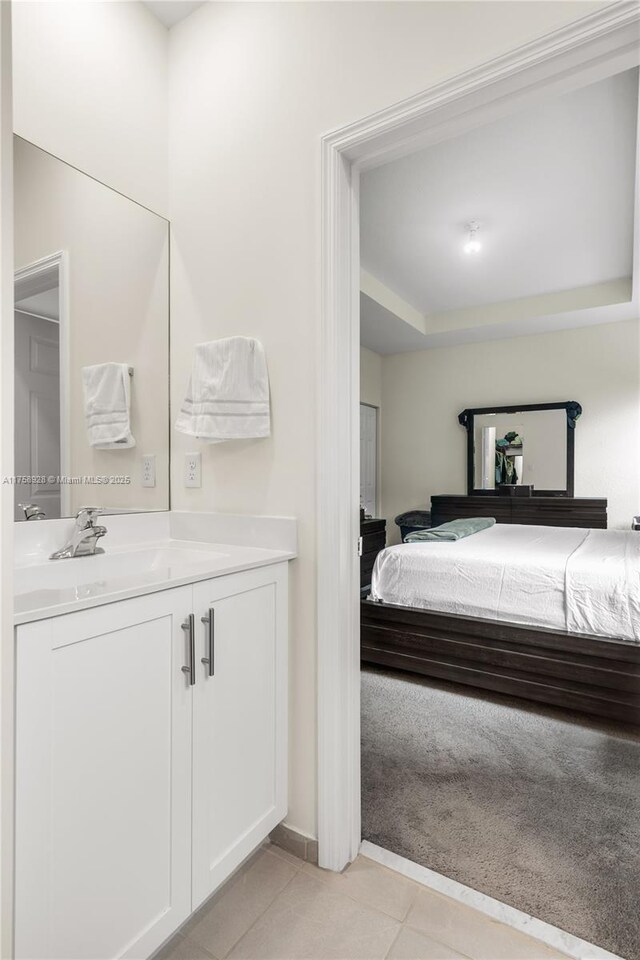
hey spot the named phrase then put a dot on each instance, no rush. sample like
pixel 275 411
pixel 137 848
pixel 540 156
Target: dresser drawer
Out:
pixel 588 512
pixel 374 539
pixel 444 509
pixel 560 512
pixel 374 542
pixel 368 527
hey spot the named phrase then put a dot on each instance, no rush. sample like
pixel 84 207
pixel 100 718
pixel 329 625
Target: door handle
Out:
pixel 189 627
pixel 209 621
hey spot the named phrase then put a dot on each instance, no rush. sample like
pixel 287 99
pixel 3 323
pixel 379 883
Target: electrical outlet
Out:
pixel 193 470
pixel 149 470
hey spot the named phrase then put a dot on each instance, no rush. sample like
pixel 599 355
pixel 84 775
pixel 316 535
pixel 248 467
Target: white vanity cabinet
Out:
pixel 141 786
pixel 239 721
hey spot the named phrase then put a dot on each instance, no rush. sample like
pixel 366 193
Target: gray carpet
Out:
pixel 536 807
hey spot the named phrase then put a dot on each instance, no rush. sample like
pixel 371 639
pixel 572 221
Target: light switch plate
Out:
pixel 193 469
pixel 149 470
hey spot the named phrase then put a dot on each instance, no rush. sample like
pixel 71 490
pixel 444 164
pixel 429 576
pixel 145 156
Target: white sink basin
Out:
pixel 167 561
pixel 49 588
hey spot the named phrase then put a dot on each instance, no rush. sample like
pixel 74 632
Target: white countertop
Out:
pixel 153 561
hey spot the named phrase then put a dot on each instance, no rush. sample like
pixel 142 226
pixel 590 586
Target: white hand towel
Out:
pixel 228 394
pixel 107 403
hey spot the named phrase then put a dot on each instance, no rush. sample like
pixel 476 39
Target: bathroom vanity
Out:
pixel 150 644
pixel 151 726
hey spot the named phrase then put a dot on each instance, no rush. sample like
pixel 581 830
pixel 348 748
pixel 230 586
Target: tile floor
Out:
pixel 279 908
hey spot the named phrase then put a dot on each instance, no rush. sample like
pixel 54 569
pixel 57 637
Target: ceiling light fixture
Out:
pixel 473 244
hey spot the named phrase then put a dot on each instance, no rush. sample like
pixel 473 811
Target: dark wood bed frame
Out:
pixel 593 675
pixel 590 674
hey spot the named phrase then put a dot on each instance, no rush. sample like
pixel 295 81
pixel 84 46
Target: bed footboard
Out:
pixel 594 675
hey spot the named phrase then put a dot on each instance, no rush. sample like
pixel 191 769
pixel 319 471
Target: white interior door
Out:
pixel 239 721
pixel 37 411
pixel 368 458
pixel 103 780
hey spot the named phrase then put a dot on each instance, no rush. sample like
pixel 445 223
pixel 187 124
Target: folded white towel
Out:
pixel 107 401
pixel 228 394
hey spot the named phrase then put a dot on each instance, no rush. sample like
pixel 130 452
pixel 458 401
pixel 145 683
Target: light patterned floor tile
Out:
pixel 310 922
pixel 247 895
pixel 181 948
pixel 411 945
pixel 285 855
pixel 471 933
pixel 371 884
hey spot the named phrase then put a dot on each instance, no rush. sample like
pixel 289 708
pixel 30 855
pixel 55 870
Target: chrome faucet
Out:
pixel 85 536
pixel 32 511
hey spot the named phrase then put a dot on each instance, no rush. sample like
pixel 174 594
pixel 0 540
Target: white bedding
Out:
pixel 583 581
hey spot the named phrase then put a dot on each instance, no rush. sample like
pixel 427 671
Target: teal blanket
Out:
pixel 454 530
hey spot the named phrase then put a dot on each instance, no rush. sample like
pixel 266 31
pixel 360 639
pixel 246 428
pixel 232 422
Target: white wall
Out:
pixel 253 88
pixel 424 447
pixel 370 377
pixel 90 86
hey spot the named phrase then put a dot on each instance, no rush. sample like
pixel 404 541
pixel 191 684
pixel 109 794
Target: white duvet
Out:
pixel 583 581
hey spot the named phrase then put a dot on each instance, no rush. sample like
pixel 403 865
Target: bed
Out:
pixel 550 614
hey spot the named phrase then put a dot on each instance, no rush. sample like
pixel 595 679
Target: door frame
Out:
pixel 59 262
pixel 377 507
pixel 584 51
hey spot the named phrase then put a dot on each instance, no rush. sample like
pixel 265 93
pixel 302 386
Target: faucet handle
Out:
pixel 32 511
pixel 86 516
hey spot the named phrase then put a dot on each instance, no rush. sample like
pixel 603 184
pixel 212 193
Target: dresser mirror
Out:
pixel 530 446
pixel 91 340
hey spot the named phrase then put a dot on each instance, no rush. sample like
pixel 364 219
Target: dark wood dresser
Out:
pixel 374 539
pixel 541 511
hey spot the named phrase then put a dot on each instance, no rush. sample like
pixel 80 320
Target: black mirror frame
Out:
pixel 573 410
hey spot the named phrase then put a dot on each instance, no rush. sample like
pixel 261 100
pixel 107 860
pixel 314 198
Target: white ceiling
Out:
pixel 171 12
pixel 553 189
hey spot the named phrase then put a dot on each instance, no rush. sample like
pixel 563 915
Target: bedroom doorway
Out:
pixel 523 78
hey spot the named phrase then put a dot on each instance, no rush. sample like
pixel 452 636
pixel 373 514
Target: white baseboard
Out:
pixel 545 932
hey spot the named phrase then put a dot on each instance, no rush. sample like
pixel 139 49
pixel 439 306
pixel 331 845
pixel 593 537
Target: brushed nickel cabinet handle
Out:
pixel 190 669
pixel 209 621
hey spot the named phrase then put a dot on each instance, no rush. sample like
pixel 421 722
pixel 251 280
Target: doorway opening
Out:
pixel 462 759
pixel 598 46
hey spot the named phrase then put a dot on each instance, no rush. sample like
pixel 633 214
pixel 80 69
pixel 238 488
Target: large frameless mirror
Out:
pixel 91 344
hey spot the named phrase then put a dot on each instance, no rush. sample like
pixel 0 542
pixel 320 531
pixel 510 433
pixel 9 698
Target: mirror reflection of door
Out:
pixel 368 458
pixel 37 393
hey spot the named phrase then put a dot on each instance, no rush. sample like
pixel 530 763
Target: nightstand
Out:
pixel 374 539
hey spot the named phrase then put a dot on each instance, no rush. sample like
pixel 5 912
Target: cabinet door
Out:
pixel 239 721
pixel 103 777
